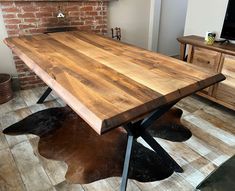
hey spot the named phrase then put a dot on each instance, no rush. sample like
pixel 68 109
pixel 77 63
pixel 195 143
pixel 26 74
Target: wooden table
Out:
pixel 111 84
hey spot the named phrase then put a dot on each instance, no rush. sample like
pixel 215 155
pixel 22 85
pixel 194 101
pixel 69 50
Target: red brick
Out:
pixel 49 20
pixel 77 23
pixel 90 22
pixel 92 13
pixel 97 8
pixel 13 32
pixel 43 14
pixel 48 9
pixel 11 26
pixel 71 8
pixel 75 14
pixel 12 21
pixel 26 15
pixel 10 10
pixel 27 26
pixel 29 86
pixel 20 66
pixel 7 4
pixel 31 20
pixel 9 16
pixel 30 9
pixel 87 17
pixel 100 27
pixel 99 17
pixel 89 8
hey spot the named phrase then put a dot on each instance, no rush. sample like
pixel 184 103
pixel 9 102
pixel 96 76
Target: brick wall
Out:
pixel 25 18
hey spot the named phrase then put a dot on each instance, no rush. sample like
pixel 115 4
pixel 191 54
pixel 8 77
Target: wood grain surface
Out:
pixel 106 82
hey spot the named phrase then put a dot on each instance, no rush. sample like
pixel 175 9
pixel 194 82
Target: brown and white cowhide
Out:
pixel 169 127
pixel 64 136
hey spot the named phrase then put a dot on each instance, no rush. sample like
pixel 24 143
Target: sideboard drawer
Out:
pixel 225 90
pixel 207 59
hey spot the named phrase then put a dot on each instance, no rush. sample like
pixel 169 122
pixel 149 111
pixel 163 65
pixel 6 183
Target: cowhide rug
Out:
pixel 64 136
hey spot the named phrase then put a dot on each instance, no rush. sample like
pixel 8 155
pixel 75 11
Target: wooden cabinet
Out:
pixel 218 57
pixel 207 59
pixel 225 91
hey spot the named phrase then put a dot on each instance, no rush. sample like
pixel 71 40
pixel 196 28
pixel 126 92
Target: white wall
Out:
pixel 6 60
pixel 172 22
pixel 154 24
pixel 205 16
pixel 133 16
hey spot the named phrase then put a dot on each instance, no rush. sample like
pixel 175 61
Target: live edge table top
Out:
pixel 106 82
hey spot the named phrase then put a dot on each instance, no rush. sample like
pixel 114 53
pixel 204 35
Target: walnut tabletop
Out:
pixel 106 82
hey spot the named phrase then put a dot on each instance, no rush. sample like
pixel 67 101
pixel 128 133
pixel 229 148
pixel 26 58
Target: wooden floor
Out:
pixel 22 169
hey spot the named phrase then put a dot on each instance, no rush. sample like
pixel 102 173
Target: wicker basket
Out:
pixel 5 88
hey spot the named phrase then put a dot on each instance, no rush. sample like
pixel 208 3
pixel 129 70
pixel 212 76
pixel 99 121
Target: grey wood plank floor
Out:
pixel 23 169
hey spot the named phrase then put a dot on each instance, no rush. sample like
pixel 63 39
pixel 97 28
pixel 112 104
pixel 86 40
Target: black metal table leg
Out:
pixel 165 157
pixel 44 96
pixel 138 129
pixel 126 163
pixel 154 116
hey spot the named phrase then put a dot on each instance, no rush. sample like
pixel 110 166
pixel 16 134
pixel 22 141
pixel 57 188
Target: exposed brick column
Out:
pixel 26 18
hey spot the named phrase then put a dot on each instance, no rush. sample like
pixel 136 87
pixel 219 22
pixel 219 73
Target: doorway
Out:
pixel 167 22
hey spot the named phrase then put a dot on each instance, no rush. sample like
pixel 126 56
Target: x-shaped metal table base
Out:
pixel 138 129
